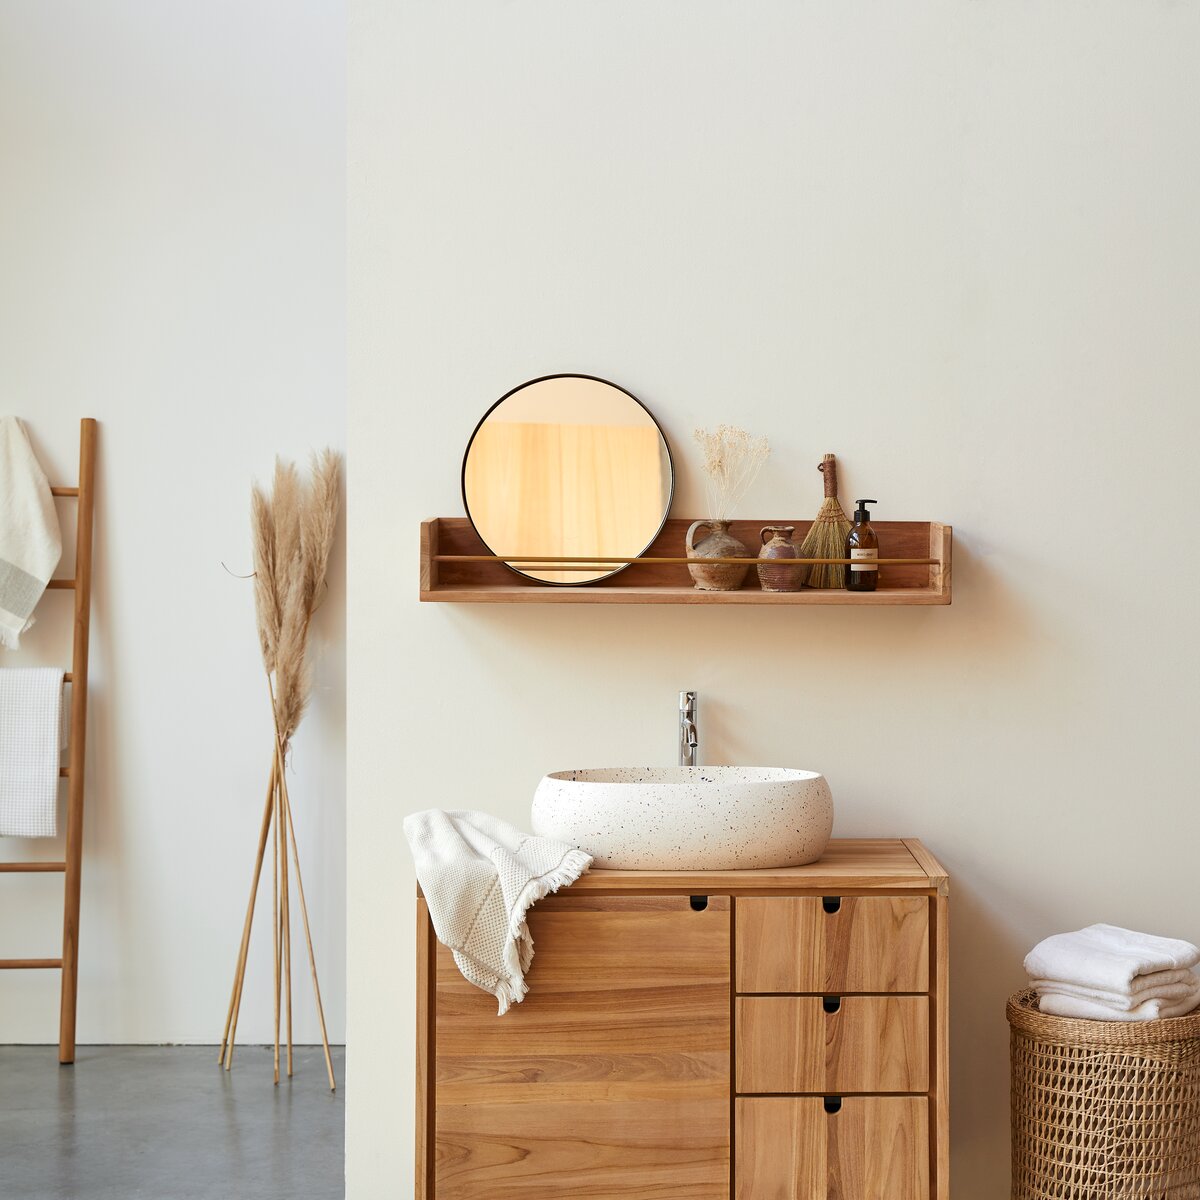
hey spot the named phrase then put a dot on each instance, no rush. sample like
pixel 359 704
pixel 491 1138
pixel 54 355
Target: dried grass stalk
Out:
pixel 320 524
pixel 732 461
pixel 266 595
pixel 288 504
pixel 293 535
pixel 293 675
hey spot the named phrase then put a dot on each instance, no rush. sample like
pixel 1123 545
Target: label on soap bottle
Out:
pixel 864 560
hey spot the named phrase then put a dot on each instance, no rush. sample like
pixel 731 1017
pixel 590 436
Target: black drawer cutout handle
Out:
pixel 699 903
pixel 831 903
pixel 831 1003
pixel 833 1104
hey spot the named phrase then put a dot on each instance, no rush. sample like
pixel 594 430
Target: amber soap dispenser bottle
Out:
pixel 862 548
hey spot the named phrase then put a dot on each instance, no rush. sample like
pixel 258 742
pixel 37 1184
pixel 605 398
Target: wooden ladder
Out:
pixel 77 677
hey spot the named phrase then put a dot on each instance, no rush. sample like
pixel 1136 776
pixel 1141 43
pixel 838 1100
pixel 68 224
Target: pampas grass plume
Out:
pixel 293 531
pixel 266 605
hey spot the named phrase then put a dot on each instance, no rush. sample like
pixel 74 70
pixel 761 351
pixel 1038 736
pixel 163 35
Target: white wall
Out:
pixel 172 263
pixel 954 243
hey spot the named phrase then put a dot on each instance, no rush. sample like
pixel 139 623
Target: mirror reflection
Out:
pixel 568 465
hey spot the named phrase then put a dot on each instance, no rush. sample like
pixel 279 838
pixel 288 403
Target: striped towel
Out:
pixel 30 746
pixel 30 542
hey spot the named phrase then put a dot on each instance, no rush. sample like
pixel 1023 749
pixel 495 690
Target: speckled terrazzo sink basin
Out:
pixel 688 818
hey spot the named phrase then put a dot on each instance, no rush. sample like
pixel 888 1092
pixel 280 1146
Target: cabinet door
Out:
pixel 870 1148
pixel 610 1079
pixel 833 944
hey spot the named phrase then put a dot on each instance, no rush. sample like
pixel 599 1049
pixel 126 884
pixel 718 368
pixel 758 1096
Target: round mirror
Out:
pixel 568 466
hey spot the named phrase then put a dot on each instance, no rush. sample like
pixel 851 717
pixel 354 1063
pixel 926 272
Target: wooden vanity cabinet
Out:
pixel 722 1035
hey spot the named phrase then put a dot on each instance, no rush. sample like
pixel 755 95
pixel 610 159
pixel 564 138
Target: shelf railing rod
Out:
pixel 554 561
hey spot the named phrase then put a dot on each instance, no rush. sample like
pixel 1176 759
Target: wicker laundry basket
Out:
pixel 1104 1109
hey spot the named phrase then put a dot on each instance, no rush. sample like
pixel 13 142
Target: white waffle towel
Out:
pixel 30 541
pixel 480 876
pixel 1107 957
pixel 30 745
pixel 1162 985
pixel 1060 1004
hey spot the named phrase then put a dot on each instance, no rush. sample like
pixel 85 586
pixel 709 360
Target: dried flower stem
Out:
pixel 732 459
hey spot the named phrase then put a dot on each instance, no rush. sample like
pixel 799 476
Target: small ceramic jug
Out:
pixel 777 545
pixel 720 543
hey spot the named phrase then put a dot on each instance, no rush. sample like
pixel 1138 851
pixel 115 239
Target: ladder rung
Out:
pixel 64 772
pixel 61 585
pixel 22 868
pixel 24 964
pixel 64 491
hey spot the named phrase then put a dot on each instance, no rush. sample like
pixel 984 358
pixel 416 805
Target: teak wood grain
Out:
pixel 939 1047
pixel 868 1044
pixel 492 582
pixel 425 1085
pixel 613 1074
pixel 848 865
pixel 613 1078
pixel 934 871
pixel 872 1148
pixel 869 944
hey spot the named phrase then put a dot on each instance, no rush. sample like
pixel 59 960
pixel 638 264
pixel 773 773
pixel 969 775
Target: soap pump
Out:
pixel 862 548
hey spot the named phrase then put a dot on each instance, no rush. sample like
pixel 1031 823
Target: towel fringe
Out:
pixel 509 992
pixel 10 638
pixel 518 953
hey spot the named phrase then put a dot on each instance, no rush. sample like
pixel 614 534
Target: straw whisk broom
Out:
pixel 293 531
pixel 826 537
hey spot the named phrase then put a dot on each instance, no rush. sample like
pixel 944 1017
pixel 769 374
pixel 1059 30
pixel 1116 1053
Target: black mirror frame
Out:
pixel 543 379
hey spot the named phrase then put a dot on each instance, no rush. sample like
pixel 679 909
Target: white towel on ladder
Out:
pixel 31 700
pixel 30 540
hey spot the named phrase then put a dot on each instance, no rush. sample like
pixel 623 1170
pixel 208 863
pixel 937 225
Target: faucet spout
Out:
pixel 689 736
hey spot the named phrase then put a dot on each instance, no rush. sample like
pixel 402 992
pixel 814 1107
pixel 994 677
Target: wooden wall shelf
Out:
pixel 490 582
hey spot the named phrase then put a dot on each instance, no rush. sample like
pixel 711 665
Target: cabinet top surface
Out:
pixel 887 864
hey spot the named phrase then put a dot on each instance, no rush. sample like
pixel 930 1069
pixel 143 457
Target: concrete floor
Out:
pixel 166 1123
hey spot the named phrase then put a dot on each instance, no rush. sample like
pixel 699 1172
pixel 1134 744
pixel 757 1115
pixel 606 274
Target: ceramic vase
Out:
pixel 720 543
pixel 777 547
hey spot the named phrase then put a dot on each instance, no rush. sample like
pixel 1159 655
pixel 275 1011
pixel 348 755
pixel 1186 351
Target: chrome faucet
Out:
pixel 689 739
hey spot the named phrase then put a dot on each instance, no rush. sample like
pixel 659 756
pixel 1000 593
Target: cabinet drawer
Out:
pixel 833 944
pixel 806 1044
pixel 870 1148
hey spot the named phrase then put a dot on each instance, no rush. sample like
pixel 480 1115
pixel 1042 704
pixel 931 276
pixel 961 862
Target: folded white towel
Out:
pixel 1162 985
pixel 1107 957
pixel 30 542
pixel 30 743
pixel 1060 1005
pixel 480 876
